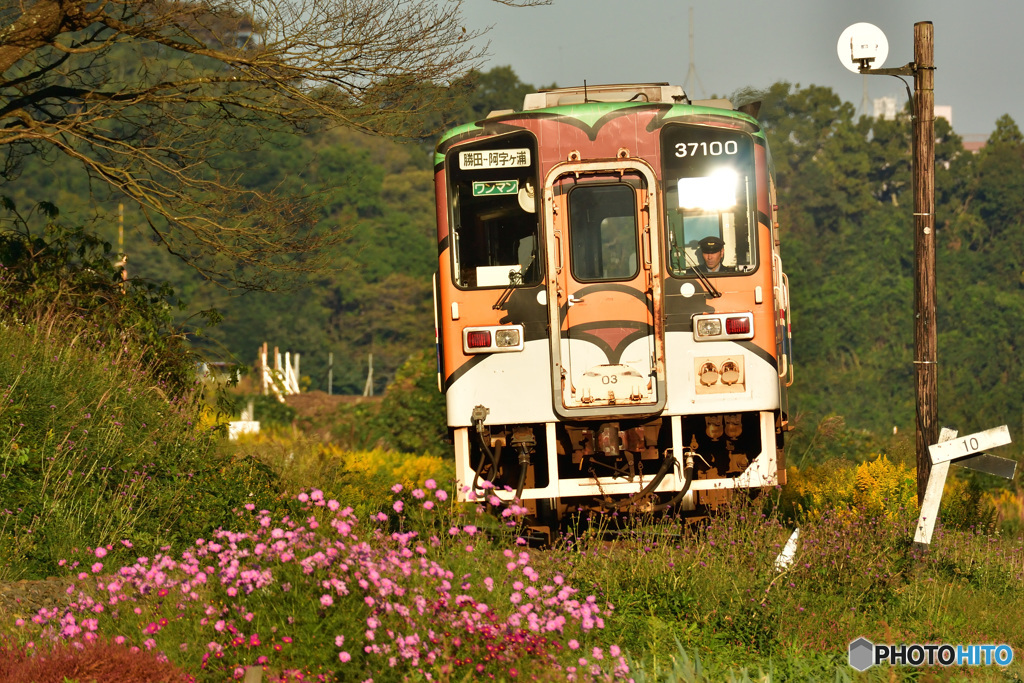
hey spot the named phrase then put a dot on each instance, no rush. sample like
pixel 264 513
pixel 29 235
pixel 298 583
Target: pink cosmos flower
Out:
pixel 398 506
pixel 344 656
pixel 430 484
pixel 326 600
pixel 101 552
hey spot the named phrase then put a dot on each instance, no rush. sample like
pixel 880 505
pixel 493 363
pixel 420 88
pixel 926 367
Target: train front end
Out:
pixel 611 311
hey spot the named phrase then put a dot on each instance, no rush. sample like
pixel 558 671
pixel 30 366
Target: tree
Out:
pixel 998 190
pixel 150 96
pixel 820 157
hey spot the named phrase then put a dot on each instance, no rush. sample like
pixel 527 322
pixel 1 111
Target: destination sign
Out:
pixel 495 158
pixel 498 187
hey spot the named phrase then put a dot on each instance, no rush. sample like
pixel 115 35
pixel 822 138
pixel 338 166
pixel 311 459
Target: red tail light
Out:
pixel 737 325
pixel 478 340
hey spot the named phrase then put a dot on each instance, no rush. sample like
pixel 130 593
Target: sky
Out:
pixel 979 48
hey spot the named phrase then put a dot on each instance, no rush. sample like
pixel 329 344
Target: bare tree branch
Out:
pixel 153 96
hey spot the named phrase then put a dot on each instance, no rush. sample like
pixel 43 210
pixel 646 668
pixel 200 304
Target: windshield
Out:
pixel 709 191
pixel 492 185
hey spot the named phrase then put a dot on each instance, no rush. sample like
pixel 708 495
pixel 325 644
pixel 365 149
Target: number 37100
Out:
pixel 703 149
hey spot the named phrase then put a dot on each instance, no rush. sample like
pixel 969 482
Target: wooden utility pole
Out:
pixel 925 340
pixel 866 43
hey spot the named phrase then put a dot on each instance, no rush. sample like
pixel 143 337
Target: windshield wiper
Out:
pixel 704 279
pixel 515 279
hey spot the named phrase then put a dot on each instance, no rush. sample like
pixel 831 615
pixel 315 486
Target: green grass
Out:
pixel 95 449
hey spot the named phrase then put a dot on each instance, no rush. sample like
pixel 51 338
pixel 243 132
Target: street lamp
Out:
pixel 862 49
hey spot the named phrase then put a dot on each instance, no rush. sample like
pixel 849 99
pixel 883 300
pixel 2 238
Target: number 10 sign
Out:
pixel 944 451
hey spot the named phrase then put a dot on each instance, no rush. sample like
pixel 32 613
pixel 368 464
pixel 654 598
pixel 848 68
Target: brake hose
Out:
pixel 687 467
pixel 651 485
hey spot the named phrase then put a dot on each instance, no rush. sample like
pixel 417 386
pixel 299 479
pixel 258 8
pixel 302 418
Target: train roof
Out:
pixel 597 100
pixel 623 92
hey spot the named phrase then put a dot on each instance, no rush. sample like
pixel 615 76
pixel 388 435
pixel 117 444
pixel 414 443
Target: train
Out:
pixel 611 313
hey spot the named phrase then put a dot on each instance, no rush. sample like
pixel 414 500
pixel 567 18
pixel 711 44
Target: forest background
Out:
pixel 846 217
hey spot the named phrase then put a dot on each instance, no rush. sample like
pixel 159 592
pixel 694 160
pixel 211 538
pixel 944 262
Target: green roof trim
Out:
pixel 590 115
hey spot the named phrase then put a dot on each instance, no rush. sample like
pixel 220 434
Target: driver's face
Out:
pixel 713 259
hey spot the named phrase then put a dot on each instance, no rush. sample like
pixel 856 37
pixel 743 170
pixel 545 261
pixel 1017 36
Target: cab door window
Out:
pixel 604 232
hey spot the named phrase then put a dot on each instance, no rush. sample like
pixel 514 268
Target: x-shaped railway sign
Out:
pixel 966 452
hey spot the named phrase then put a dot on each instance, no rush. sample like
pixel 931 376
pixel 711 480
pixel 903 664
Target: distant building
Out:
pixel 886 108
pixel 974 143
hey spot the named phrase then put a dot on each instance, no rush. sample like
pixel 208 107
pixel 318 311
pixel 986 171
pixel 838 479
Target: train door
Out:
pixel 608 351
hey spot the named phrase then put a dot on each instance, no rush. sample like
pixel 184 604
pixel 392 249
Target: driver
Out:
pixel 712 250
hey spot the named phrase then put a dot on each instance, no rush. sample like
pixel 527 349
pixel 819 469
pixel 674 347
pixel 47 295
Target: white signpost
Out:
pixel 951 450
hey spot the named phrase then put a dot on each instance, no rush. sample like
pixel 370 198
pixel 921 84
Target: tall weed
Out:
pixel 95 449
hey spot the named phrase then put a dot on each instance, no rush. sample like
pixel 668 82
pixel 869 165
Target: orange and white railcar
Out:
pixel 588 355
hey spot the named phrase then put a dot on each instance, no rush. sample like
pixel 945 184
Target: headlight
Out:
pixel 507 337
pixel 709 327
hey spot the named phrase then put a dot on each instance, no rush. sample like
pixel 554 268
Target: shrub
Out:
pixel 92 660
pixel 881 487
pixel 362 476
pixel 412 414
